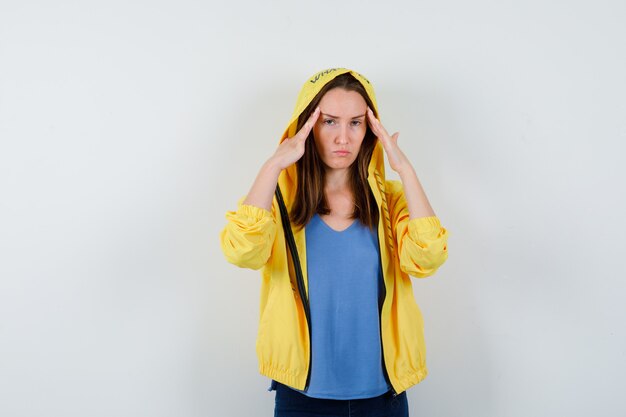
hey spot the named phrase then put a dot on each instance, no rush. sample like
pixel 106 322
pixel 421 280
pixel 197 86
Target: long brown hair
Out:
pixel 310 197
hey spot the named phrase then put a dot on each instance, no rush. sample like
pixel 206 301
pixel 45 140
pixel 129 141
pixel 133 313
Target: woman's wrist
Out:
pixel 272 165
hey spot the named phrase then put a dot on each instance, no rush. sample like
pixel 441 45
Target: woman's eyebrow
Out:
pixel 337 117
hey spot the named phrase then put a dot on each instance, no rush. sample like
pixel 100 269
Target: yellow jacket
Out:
pixel 253 238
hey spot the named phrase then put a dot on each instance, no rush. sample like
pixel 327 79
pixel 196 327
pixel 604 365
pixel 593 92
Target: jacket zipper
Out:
pixel 299 280
pixel 380 326
pixel 382 274
pixel 307 313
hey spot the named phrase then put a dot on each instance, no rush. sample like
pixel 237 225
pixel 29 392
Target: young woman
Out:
pixel 344 336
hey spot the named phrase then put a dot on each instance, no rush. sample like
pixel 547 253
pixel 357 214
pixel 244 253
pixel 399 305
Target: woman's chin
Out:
pixel 338 163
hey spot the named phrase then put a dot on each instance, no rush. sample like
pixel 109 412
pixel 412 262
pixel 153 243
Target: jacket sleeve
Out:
pixel 248 236
pixel 422 243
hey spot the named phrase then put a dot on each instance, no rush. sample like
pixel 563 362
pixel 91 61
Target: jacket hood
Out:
pixel 288 177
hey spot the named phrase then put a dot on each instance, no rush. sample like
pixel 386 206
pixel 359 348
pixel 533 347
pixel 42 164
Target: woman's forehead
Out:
pixel 342 103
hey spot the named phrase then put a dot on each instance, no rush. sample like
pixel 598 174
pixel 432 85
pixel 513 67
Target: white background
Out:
pixel 129 128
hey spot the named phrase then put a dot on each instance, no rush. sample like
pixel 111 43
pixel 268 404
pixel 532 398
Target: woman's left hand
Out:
pixel 397 160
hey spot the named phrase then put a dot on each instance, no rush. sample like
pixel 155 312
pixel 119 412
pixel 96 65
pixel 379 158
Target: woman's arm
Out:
pixel 249 234
pixel 248 237
pixel 421 240
pixel 289 151
pixel 415 195
pixel 261 193
pixel 416 199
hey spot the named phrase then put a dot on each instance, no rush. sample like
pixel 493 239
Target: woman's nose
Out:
pixel 342 136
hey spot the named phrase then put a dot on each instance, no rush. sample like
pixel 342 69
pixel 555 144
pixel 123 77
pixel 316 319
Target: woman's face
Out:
pixel 340 127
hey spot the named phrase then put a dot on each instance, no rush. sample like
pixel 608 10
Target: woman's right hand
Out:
pixel 291 149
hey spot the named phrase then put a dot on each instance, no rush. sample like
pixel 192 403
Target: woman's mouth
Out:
pixel 341 153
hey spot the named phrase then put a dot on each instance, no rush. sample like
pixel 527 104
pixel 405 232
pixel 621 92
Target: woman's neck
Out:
pixel 337 180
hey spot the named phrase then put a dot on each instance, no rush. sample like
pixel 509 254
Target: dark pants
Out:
pixel 290 403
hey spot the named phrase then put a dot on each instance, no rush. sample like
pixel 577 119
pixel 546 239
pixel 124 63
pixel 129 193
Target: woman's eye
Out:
pixel 356 122
pixel 329 121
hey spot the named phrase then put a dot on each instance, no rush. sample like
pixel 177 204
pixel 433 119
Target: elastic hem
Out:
pixel 286 378
pixel 404 383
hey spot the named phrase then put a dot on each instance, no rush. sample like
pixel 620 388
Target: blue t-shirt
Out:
pixel 345 286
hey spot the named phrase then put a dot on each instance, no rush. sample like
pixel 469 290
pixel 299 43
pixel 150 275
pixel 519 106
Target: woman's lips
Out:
pixel 341 153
